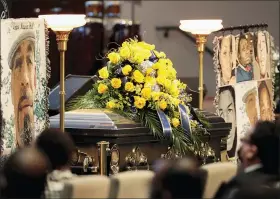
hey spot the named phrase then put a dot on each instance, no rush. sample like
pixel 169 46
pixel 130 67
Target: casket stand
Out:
pixel 108 143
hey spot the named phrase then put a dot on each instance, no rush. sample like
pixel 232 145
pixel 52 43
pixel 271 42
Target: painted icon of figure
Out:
pixel 261 53
pixel 265 102
pixel 227 110
pixel 23 85
pixel 244 71
pixel 227 60
pixel 250 100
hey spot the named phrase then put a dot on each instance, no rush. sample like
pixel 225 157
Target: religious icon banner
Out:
pixel 244 72
pixel 24 76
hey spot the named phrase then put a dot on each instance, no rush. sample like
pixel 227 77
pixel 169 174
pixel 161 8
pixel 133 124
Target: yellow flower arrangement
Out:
pixel 141 81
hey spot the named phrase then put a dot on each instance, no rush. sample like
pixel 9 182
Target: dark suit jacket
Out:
pixel 241 180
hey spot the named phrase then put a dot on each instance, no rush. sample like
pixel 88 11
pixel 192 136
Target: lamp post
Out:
pixel 62 25
pixel 201 29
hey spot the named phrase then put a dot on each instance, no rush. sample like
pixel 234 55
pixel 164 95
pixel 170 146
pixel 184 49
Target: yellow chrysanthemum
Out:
pixel 114 57
pixel 155 96
pixel 110 105
pixel 158 65
pixel 129 87
pixel 160 54
pixel 116 83
pixel 139 102
pixel 126 69
pixel 175 122
pixel 146 93
pixel 146 45
pixel 138 76
pixel 149 71
pixel 103 73
pixel 162 72
pixel 125 52
pixel 102 88
pixel 165 62
pixel 138 89
pixel 162 105
pixel 167 84
pixel 161 80
pixel 172 73
pixel 174 91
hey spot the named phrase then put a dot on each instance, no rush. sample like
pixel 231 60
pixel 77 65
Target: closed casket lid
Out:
pixel 98 122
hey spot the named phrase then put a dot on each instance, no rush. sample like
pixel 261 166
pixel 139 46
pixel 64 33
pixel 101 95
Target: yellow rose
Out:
pixel 114 57
pixel 129 87
pixel 175 122
pixel 161 80
pixel 162 104
pixel 138 76
pixel 146 93
pixel 102 88
pixel 125 52
pixel 126 69
pixel 103 73
pixel 110 105
pixel 116 83
pixel 139 102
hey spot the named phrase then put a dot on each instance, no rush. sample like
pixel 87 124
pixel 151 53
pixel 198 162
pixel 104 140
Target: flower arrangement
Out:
pixel 140 83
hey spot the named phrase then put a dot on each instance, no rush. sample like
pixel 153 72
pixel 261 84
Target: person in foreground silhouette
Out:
pixel 259 155
pixel 24 174
pixel 59 148
pixel 177 179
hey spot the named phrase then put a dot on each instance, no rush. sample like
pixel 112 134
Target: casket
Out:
pixel 128 145
pixel 108 143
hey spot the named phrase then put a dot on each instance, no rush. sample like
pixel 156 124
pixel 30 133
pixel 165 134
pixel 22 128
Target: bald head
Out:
pixel 25 174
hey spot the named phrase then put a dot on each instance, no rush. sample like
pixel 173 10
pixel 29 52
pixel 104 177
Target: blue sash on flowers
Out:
pixel 166 127
pixel 185 120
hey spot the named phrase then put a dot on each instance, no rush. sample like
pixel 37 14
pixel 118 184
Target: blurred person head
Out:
pixel 178 179
pixel 261 145
pixel 58 146
pixel 24 174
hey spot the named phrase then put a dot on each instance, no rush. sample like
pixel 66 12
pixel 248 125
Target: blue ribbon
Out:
pixel 166 127
pixel 185 120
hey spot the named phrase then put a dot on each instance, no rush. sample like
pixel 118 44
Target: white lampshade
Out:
pixel 64 22
pixel 201 27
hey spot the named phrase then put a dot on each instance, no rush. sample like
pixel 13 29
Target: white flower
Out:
pixel 145 65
